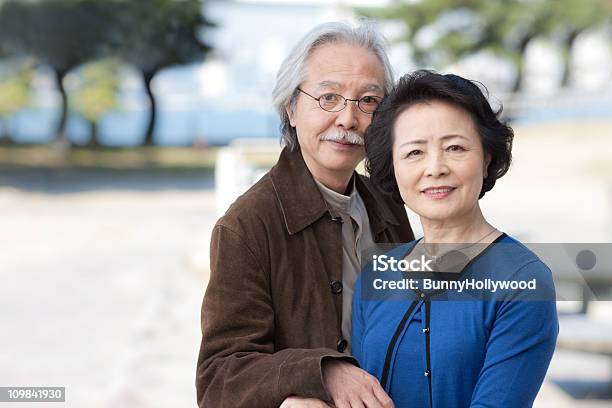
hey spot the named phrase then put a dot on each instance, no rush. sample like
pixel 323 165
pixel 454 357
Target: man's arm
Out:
pixel 237 364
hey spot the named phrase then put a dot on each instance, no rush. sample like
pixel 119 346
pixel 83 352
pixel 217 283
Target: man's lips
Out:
pixel 344 143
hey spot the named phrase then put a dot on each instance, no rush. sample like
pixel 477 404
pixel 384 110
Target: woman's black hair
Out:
pixel 426 86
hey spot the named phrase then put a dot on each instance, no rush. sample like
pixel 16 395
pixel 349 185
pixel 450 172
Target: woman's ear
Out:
pixel 487 161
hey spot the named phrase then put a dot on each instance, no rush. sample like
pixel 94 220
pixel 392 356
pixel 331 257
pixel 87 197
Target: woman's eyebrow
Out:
pixel 452 136
pixel 423 141
pixel 416 141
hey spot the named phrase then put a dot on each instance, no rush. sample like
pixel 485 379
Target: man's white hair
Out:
pixel 292 71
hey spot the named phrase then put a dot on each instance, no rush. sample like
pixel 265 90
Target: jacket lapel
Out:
pixel 300 199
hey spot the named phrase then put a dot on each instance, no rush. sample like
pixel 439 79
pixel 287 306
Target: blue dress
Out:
pixel 430 349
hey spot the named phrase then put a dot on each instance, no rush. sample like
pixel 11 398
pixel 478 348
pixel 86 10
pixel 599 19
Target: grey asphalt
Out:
pixel 101 290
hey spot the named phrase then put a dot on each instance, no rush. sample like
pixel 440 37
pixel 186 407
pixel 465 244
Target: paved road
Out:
pixel 101 290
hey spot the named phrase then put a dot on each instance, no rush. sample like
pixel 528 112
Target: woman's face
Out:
pixel 438 160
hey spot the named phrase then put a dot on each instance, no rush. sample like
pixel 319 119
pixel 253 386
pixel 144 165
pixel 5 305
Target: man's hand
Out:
pixel 351 387
pixel 299 402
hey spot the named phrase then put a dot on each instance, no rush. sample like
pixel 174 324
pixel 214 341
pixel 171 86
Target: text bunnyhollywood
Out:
pixel 490 285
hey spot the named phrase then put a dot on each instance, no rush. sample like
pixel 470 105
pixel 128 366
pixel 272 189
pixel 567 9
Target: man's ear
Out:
pixel 289 111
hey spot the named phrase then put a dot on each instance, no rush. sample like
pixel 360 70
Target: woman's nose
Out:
pixel 436 165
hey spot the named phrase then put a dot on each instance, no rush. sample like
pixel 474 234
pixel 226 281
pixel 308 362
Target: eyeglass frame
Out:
pixel 346 100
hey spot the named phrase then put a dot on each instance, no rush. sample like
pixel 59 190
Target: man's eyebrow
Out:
pixel 337 85
pixel 373 88
pixel 329 84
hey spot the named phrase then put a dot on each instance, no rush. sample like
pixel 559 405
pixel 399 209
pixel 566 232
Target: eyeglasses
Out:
pixel 332 102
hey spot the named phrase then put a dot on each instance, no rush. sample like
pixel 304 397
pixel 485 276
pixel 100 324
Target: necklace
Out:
pixel 437 257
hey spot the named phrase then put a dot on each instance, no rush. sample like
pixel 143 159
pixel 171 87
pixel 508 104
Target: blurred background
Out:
pixel 128 127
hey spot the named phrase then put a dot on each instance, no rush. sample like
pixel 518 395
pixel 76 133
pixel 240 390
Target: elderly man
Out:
pixel 284 258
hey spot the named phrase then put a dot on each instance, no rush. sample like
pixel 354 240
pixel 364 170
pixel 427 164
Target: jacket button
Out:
pixel 341 346
pixel 427 373
pixel 426 330
pixel 336 287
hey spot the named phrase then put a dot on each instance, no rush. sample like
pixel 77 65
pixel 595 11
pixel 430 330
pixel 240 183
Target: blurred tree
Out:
pixel 443 31
pixel 572 18
pixel 156 34
pixel 15 77
pixel 93 92
pixel 60 33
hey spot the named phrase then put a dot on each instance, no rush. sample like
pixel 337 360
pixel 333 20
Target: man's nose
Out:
pixel 348 117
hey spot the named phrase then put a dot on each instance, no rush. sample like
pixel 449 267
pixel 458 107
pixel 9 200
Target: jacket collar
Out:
pixel 302 203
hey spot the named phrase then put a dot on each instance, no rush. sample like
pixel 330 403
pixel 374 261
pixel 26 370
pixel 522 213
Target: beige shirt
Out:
pixel 356 237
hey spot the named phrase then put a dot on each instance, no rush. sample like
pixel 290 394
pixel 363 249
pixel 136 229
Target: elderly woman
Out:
pixel 436 145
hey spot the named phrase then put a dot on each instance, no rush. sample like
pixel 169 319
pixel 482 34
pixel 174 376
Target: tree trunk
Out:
pixel 60 137
pixel 148 77
pixel 518 82
pixel 519 77
pixel 5 139
pixel 569 44
pixel 93 139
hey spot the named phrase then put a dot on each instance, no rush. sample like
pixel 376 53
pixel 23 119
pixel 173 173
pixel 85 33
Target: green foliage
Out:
pixel 93 89
pixel 572 15
pixel 167 33
pixel 59 33
pixel 150 34
pixel 15 77
pixel 64 34
pixel 155 34
pixel 456 28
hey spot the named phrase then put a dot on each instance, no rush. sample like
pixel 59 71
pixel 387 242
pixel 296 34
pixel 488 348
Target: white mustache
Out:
pixel 347 136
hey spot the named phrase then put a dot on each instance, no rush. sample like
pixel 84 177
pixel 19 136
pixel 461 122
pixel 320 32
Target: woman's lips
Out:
pixel 438 193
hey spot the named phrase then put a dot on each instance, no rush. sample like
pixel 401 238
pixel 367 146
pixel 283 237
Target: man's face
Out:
pixel 332 142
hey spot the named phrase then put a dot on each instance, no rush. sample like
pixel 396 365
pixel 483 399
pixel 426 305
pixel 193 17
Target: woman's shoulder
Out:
pixel 517 258
pixel 515 249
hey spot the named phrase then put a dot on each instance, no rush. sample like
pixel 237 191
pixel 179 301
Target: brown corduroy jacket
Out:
pixel 273 306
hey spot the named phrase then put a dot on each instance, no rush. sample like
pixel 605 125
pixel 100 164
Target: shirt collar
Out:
pixel 340 202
